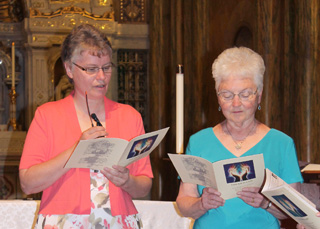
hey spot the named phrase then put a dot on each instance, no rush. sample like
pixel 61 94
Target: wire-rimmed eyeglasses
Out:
pixel 106 69
pixel 244 95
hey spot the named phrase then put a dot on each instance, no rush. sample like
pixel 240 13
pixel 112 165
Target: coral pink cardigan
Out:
pixel 54 129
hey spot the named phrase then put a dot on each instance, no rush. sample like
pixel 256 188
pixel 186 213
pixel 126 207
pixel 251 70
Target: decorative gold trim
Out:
pixel 107 16
pixel 66 1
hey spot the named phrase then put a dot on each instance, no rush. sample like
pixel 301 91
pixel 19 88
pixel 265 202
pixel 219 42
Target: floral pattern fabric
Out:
pixel 100 216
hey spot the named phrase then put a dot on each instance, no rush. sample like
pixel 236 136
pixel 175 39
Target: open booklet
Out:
pixel 227 176
pixel 290 201
pixel 106 152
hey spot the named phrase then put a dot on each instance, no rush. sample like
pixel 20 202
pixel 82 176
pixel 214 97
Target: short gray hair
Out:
pixel 83 38
pixel 242 62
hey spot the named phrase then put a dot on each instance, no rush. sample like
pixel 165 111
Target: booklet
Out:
pixel 227 176
pixel 106 152
pixel 290 201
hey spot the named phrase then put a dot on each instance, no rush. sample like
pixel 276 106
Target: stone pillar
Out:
pixel 39 85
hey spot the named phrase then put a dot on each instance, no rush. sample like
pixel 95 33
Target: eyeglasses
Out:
pixel 94 70
pixel 244 95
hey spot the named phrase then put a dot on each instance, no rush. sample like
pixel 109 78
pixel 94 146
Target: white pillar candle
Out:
pixel 13 66
pixel 179 109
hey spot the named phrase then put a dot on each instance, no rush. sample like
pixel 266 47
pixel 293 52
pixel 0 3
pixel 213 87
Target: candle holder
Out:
pixel 13 99
pixel 12 124
pixel 8 81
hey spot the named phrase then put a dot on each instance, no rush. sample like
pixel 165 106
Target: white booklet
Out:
pixel 290 201
pixel 227 176
pixel 106 152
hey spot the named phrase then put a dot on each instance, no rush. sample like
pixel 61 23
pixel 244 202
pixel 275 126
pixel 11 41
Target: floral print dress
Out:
pixel 100 216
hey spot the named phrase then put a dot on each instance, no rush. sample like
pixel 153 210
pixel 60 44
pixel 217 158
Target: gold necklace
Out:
pixel 239 144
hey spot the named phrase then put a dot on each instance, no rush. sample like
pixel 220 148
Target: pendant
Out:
pixel 238 146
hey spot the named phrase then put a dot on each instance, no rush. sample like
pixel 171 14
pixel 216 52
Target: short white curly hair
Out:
pixel 241 62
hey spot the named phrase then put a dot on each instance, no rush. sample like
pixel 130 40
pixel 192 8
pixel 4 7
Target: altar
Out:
pixel 11 145
pixel 17 214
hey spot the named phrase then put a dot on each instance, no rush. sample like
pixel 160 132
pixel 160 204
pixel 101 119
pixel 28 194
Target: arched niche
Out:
pixel 244 37
pixel 61 83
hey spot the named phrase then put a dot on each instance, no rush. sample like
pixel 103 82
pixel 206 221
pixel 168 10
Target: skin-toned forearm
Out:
pixel 137 186
pixel 39 177
pixel 276 212
pixel 190 206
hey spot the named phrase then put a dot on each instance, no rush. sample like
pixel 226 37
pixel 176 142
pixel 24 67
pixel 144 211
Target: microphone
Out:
pixel 95 118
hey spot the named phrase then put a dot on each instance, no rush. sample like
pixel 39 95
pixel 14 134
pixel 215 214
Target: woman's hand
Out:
pixel 94 132
pixel 251 196
pixel 192 205
pixel 136 186
pixel 300 226
pixel 118 175
pixel 211 199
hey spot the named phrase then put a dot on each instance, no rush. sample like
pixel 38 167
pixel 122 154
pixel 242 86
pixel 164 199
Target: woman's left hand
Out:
pixel 137 186
pixel 251 196
pixel 118 175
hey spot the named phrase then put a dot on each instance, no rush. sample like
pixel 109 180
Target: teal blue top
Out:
pixel 280 157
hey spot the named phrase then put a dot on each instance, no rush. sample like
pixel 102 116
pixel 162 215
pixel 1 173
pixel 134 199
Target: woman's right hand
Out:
pixel 94 132
pixel 191 204
pixel 300 226
pixel 211 198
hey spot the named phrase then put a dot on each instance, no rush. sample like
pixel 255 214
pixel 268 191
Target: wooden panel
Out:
pixel 267 42
pixel 301 73
pixel 161 102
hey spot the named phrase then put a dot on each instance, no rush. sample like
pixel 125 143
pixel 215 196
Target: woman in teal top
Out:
pixel 238 73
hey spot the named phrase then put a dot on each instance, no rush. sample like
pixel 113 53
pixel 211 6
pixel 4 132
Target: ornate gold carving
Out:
pixel 132 11
pixel 65 23
pixel 48 39
pixel 66 1
pixel 10 11
pixel 107 16
pixel 6 27
pixel 38 4
pixel 103 2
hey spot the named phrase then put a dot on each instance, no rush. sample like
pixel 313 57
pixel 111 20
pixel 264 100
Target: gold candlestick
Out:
pixel 13 65
pixel 13 98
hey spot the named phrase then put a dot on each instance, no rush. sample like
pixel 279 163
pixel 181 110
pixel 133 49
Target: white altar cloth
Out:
pixel 18 213
pixel 22 214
